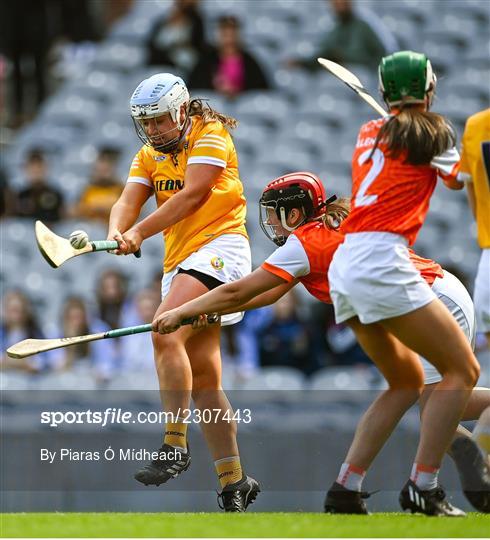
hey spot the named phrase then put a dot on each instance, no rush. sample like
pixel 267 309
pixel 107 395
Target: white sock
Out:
pixel 424 477
pixel 351 477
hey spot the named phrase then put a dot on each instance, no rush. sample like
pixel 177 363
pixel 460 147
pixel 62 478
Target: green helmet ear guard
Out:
pixel 405 77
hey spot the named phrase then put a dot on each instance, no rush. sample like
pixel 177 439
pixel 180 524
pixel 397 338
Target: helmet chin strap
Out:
pixel 283 221
pixel 174 144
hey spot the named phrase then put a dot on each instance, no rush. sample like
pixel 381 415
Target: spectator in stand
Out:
pixel 334 344
pixel 240 343
pixel 6 201
pixel 98 356
pixel 103 190
pixel 39 200
pixel 112 297
pixel 19 322
pixel 136 352
pixel 228 68
pixel 285 340
pixel 110 11
pixel 177 39
pixel 358 37
pixel 25 39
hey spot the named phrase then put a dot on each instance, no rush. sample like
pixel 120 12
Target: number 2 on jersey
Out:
pixel 378 160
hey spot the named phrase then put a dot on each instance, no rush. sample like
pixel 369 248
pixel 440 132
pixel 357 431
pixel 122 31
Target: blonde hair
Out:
pixel 198 107
pixel 336 212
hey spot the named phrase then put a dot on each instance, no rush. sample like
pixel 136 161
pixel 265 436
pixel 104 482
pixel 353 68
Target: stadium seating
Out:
pixel 309 121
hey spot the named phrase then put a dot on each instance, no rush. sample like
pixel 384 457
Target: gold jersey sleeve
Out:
pixel 223 212
pixel 475 167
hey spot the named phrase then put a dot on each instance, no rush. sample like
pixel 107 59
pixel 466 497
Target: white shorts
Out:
pixel 456 298
pixel 482 293
pixel 226 258
pixel 372 276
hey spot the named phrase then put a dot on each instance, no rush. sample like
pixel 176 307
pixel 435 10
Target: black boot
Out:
pixel 170 463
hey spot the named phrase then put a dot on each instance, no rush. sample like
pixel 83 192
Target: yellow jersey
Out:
pixel 475 167
pixel 223 212
pixel 97 201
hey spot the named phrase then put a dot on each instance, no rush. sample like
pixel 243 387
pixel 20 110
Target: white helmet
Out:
pixel 162 93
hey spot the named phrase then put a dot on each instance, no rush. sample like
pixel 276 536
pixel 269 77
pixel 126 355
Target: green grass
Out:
pixel 243 525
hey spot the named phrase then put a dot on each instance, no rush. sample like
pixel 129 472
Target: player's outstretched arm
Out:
pixel 265 299
pixel 222 298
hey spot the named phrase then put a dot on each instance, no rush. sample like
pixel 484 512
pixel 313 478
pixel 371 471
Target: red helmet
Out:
pixel 290 186
pixel 295 190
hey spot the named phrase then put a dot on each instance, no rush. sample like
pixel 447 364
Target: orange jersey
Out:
pixel 429 269
pixel 390 195
pixel 308 252
pixel 223 212
pixel 306 256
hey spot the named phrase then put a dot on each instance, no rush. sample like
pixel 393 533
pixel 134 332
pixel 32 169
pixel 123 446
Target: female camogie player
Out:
pixel 396 164
pixel 305 226
pixel 189 163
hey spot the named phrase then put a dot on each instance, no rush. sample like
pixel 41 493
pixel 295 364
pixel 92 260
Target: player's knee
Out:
pixel 205 382
pixel 165 343
pixel 466 373
pixel 473 374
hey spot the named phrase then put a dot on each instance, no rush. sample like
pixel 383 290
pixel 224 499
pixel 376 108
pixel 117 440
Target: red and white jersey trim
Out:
pixel 289 261
pixel 447 166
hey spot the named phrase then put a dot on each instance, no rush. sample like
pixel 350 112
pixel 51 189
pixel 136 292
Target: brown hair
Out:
pixel 423 135
pixel 336 212
pixel 81 350
pixel 198 107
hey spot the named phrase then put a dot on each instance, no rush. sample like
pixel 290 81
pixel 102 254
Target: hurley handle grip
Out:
pixel 109 245
pixel 130 330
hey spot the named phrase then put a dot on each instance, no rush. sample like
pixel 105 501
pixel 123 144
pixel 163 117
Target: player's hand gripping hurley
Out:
pixel 352 82
pixel 57 250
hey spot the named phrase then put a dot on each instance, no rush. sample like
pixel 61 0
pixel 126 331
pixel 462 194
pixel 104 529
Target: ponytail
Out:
pixel 198 107
pixel 423 135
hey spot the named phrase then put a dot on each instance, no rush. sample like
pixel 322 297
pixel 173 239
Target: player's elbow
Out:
pixel 236 295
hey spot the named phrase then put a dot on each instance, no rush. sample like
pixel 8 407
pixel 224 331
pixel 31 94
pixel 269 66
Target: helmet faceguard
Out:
pixel 301 190
pixel 161 94
pixel 406 77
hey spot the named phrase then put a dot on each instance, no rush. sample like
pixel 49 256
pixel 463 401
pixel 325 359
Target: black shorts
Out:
pixel 208 281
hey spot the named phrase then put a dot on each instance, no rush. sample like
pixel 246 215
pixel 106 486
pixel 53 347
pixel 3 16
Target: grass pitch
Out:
pixel 243 525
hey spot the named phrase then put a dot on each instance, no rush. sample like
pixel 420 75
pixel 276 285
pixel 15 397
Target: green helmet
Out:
pixel 405 76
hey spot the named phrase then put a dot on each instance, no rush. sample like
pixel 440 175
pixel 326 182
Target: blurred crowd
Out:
pixel 40 199
pixel 35 57
pixel 39 42
pixel 58 36
pixel 284 334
